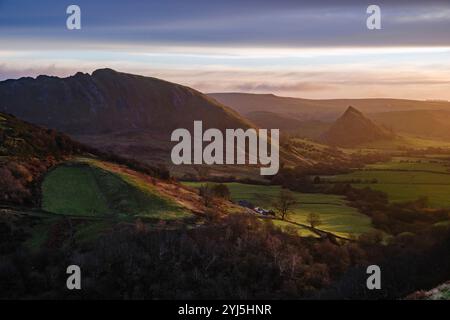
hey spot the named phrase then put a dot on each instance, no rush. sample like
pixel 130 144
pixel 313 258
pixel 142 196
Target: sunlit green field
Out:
pixel 406 179
pixel 87 190
pixel 336 215
pixel 73 190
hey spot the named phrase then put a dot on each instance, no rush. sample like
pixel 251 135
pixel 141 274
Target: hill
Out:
pixel 423 123
pixel 41 167
pixel 323 109
pixel 353 129
pixel 27 151
pixel 87 187
pixel 128 115
pixel 55 192
pixel 22 139
pixel 294 108
pixel 111 101
pixel 271 120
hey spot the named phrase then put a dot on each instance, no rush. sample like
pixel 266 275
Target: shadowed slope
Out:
pixel 353 128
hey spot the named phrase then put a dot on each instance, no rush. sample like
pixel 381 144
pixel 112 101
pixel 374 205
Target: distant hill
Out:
pixel 271 120
pixel 294 108
pixel 423 123
pixel 129 115
pixel 353 129
pixel 111 101
pixel 324 110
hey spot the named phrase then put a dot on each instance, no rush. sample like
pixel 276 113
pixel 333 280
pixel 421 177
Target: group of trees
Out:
pixel 393 218
pixel 20 180
pixel 22 139
pixel 284 203
pixel 209 191
pixel 235 257
pixel 307 178
pixel 158 171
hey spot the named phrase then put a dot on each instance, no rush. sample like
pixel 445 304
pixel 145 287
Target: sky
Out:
pixel 311 49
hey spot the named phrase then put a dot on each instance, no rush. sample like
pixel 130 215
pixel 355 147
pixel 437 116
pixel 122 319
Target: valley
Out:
pixel 349 190
pixel 211 157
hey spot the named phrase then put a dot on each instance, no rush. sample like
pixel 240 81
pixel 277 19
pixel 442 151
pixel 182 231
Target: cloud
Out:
pixel 414 73
pixel 433 16
pixel 251 22
pixel 299 87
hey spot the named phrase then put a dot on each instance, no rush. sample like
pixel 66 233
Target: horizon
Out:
pixel 228 92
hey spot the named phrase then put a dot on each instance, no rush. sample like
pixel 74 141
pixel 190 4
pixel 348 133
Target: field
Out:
pixel 85 188
pixel 406 179
pixel 402 142
pixel 336 215
pixel 97 195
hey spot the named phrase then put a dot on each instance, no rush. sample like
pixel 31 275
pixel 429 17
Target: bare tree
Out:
pixel 314 220
pixel 206 192
pixel 284 203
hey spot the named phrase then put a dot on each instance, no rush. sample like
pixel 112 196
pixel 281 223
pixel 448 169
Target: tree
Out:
pixel 221 191
pixel 11 188
pixel 206 192
pixel 284 203
pixel 314 219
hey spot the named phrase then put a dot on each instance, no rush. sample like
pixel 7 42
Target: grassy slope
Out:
pixel 74 191
pixel 336 215
pixel 405 181
pixel 98 195
pixel 88 190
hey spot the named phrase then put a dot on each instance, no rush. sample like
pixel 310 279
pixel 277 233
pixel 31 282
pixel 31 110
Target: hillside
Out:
pixel 324 110
pixel 441 292
pixel 422 123
pixel 41 167
pixel 294 108
pixel 26 152
pixel 111 101
pixel 55 192
pixel 96 188
pixel 128 115
pixel 353 129
pixel 271 120
pixel 22 139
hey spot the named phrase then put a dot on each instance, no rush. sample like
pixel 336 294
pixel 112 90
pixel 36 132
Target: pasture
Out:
pixel 405 179
pixel 337 217
pixel 88 188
